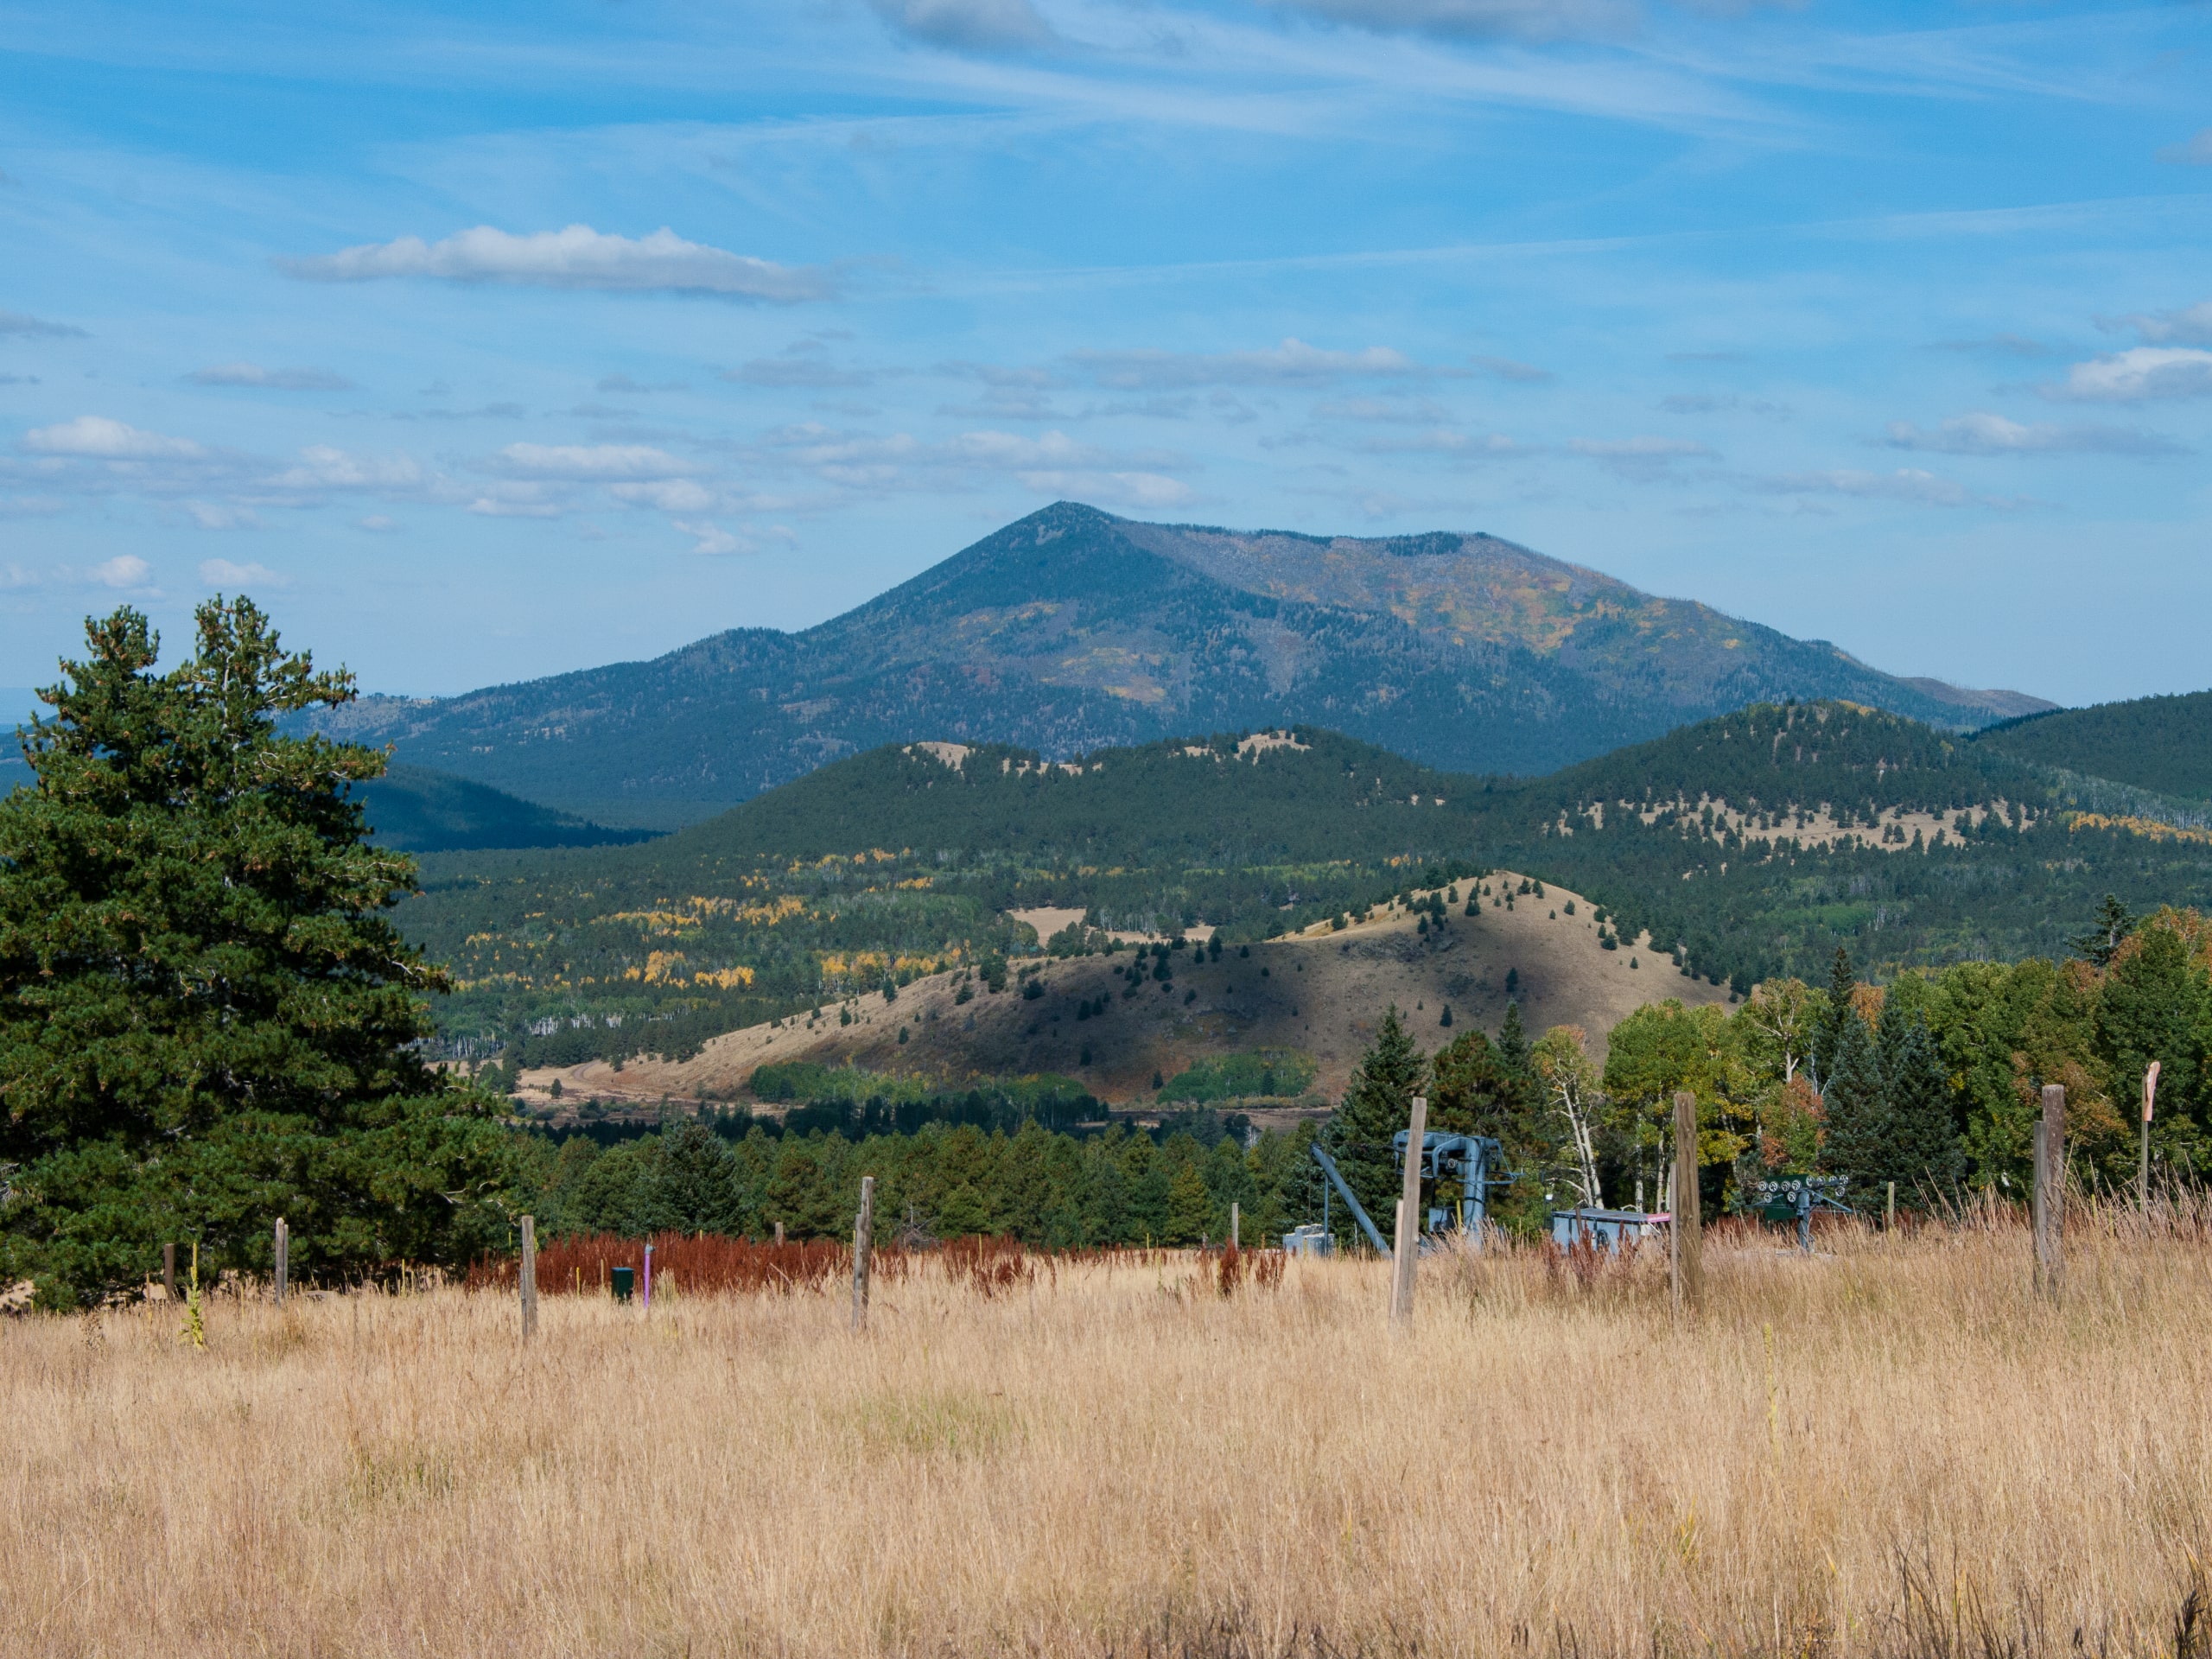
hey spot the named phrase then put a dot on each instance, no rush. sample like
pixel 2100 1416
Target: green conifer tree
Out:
pixel 1190 1207
pixel 2156 1005
pixel 1377 1105
pixel 962 1213
pixel 1923 1155
pixel 800 1197
pixel 1859 1142
pixel 207 1020
pixel 1513 1042
pixel 1834 1016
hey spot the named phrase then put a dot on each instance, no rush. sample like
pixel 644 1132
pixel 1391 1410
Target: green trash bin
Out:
pixel 625 1280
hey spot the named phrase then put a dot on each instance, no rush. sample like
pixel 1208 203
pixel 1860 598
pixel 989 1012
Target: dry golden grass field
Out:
pixel 1890 1449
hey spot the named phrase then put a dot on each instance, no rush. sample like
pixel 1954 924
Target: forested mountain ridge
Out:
pixel 1072 630
pixel 1748 845
pixel 2159 744
pixel 416 810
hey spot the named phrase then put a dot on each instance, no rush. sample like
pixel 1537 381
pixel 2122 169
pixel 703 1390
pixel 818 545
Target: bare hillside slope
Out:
pixel 1321 993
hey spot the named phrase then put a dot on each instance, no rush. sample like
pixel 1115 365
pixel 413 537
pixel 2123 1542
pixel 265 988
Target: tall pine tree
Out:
pixel 1857 1143
pixel 1921 1154
pixel 207 1020
pixel 1378 1104
pixel 1834 1016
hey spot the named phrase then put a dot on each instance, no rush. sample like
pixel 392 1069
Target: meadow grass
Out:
pixel 1892 1448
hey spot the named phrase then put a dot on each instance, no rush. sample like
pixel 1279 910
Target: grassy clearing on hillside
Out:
pixel 1890 1449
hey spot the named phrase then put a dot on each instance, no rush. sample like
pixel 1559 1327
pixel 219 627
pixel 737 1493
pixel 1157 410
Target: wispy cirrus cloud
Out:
pixel 1909 485
pixel 1994 345
pixel 2190 152
pixel 668 494
pixel 1444 441
pixel 596 463
pixel 803 365
pixel 15 323
pixel 1506 368
pixel 2190 325
pixel 1388 411
pixel 220 515
pixel 323 468
pixel 2141 374
pixel 1984 434
pixel 1292 362
pixel 578 258
pixel 1051 463
pixel 1480 20
pixel 1644 456
pixel 253 374
pixel 967 25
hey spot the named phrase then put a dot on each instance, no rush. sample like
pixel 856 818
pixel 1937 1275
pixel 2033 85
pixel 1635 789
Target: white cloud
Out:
pixel 1011 449
pixel 1506 369
pixel 1906 484
pixel 1444 441
pixel 322 467
pixel 516 501
pixel 124 571
pixel 1636 448
pixel 589 463
pixel 804 365
pixel 2196 152
pixel 379 523
pixel 969 25
pixel 15 322
pixel 2141 374
pixel 97 438
pixel 1051 462
pixel 1400 411
pixel 215 515
pixel 1292 362
pixel 1643 456
pixel 577 257
pixel 253 374
pixel 670 495
pixel 1983 434
pixel 221 573
pixel 2191 325
pixel 1528 20
pixel 713 540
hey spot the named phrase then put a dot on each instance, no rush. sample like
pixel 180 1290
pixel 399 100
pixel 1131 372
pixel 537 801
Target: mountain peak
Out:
pixel 1072 629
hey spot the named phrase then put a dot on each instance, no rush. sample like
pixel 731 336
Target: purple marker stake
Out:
pixel 649 1279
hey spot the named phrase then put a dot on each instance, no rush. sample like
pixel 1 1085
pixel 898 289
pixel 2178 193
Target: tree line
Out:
pixel 208 1019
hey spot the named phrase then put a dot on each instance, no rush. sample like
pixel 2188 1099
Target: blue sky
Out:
pixel 484 341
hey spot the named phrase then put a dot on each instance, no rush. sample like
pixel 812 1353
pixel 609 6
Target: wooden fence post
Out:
pixel 779 1232
pixel 1689 1226
pixel 168 1270
pixel 863 1248
pixel 283 1258
pixel 1890 1209
pixel 2050 1193
pixel 526 1277
pixel 1236 1242
pixel 1407 1240
pixel 2143 1175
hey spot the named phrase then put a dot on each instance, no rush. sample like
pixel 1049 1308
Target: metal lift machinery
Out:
pixel 1476 1160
